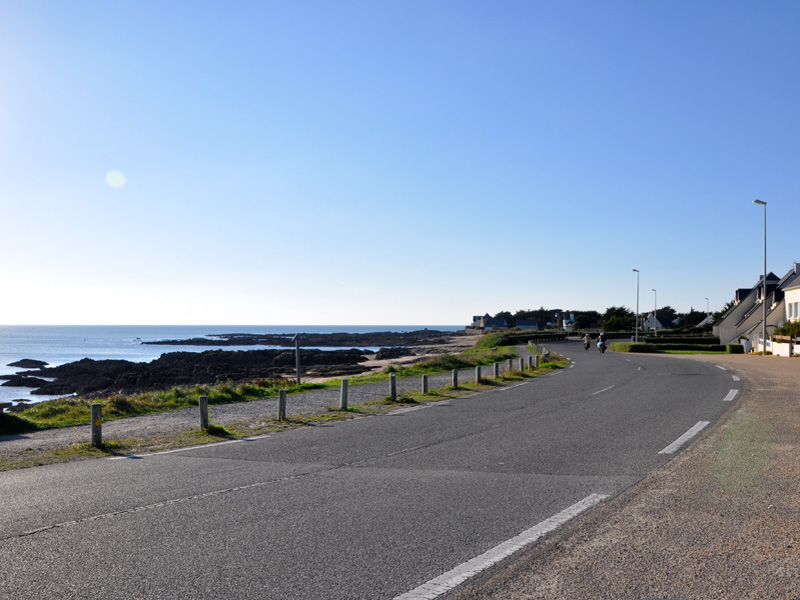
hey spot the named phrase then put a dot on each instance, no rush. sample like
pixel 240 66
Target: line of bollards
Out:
pixel 532 362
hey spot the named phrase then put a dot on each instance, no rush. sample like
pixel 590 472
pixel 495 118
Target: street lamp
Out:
pixel 764 293
pixel 296 340
pixel 636 334
pixel 655 308
pixel 708 313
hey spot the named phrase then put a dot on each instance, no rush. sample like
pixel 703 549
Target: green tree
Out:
pixel 690 319
pixel 504 314
pixel 667 312
pixel 616 311
pixel 617 323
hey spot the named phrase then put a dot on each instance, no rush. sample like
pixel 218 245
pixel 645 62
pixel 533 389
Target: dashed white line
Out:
pixel 721 367
pixel 611 387
pixel 673 447
pixel 736 378
pixel 731 395
pixel 438 586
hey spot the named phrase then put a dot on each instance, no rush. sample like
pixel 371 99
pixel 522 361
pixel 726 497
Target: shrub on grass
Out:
pixel 633 347
pixel 735 349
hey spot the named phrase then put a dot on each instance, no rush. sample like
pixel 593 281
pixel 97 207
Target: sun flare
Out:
pixel 115 179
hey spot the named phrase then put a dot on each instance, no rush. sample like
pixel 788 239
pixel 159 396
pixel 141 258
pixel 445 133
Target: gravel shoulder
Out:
pixel 720 520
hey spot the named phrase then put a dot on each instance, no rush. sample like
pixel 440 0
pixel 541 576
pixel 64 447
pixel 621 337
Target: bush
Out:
pixel 633 347
pixel 735 349
pixel 691 347
pixel 680 339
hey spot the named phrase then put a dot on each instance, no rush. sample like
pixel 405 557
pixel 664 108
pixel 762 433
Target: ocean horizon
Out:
pixel 61 344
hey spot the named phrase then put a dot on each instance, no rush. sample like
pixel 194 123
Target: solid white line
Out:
pixel 673 447
pixel 611 387
pixel 247 439
pixel 721 367
pixel 731 395
pixel 443 583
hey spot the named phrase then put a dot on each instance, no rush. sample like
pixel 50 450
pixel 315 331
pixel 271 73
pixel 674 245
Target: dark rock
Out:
pixel 329 340
pixel 23 381
pixel 89 377
pixel 28 363
pixel 394 352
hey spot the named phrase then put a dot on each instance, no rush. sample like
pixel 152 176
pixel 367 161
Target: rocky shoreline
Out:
pixel 325 340
pixel 96 378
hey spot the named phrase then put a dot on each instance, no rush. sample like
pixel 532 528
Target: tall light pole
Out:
pixel 636 334
pixel 708 313
pixel 764 293
pixel 655 308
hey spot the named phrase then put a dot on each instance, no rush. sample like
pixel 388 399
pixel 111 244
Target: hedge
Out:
pixel 735 349
pixel 632 347
pixel 703 341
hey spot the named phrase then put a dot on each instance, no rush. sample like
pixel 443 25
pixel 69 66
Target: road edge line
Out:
pixel 447 581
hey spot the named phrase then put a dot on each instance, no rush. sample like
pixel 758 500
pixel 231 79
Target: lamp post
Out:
pixel 655 308
pixel 764 292
pixel 708 313
pixel 296 340
pixel 636 334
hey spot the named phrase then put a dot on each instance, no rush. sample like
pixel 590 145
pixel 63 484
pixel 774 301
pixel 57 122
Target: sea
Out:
pixel 60 344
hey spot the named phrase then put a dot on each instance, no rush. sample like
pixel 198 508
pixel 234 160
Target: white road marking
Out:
pixel 611 387
pixel 247 439
pixel 673 447
pixel 721 367
pixel 731 395
pixel 438 586
pixel 736 378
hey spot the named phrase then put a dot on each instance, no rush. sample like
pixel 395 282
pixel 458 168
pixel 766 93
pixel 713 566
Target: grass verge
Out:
pixel 70 412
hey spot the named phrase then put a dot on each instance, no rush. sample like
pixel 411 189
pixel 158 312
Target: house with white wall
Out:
pixel 746 318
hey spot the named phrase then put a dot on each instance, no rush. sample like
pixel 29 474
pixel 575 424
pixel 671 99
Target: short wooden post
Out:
pixel 496 370
pixel 393 387
pixel 478 374
pixel 424 384
pixel 455 379
pixel 343 396
pixel 510 364
pixel 521 364
pixel 97 425
pixel 536 361
pixel 282 405
pixel 203 400
pixel 530 362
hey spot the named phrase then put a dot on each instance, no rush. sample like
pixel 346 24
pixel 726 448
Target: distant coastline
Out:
pixel 66 344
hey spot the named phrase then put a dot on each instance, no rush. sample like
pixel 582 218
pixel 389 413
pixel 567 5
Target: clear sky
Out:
pixel 390 162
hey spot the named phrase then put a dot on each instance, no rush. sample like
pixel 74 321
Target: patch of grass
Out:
pixel 11 424
pixel 218 431
pixel 68 412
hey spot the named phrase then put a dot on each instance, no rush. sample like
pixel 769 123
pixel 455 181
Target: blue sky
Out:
pixel 393 162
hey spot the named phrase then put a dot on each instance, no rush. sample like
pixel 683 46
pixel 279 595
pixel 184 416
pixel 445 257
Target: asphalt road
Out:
pixel 369 508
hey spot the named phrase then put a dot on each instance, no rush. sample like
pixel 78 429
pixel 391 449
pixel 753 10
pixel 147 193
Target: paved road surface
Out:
pixel 367 508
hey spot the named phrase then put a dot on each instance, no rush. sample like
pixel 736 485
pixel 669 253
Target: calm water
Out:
pixel 61 344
